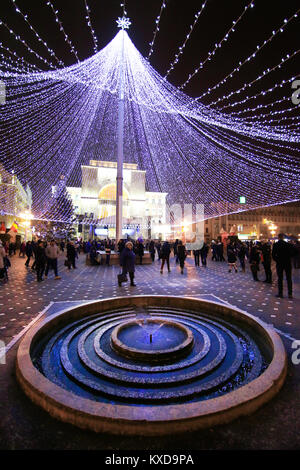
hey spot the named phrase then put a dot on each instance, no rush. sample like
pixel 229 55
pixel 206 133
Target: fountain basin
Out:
pixel 67 365
pixel 154 340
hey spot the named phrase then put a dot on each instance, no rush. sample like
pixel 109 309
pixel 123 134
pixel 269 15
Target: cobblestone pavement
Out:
pixel 23 300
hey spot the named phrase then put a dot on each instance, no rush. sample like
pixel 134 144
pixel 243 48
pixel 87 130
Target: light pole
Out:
pixel 123 23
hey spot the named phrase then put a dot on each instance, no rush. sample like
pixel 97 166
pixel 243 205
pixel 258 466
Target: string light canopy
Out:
pixel 55 121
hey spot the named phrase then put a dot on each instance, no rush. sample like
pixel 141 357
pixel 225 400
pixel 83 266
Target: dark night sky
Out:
pixel 254 28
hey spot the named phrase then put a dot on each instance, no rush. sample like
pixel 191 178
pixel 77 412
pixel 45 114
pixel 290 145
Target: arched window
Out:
pixel 108 193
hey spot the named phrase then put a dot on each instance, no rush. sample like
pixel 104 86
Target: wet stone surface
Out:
pixel 223 358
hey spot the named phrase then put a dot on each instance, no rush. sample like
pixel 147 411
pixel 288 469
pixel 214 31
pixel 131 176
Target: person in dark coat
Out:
pixel 127 259
pixel 34 247
pixel 29 253
pixel 158 248
pixel 196 254
pixel 165 256
pixel 231 257
pixel 181 255
pixel 139 249
pixel 241 255
pixel 254 259
pixel 121 245
pixel 266 261
pixel 175 250
pixel 71 254
pixel 40 260
pixel 152 250
pixel 220 251
pixel 282 254
pixel 214 251
pixel 203 254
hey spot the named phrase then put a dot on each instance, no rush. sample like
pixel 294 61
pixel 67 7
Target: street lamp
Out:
pixel 27 216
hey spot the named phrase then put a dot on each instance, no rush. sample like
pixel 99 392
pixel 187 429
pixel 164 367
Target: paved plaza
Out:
pixel 23 301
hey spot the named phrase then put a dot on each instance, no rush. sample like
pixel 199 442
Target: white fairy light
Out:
pixel 58 120
pixel 61 28
pixel 23 42
pixel 259 47
pixel 89 22
pixel 181 48
pixel 217 46
pixel 41 41
pixel 157 21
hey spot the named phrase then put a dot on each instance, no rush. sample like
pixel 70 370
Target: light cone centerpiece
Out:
pixel 55 121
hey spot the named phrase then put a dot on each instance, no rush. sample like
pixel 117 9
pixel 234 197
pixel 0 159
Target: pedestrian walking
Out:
pixel 165 256
pixel 242 255
pixel 158 248
pixel 34 247
pixel 139 250
pixel 231 257
pixel 266 261
pixel 203 254
pixel 152 250
pixel 71 254
pixel 181 255
pixel 175 250
pixel 282 254
pixel 52 253
pixel 29 253
pixel 220 251
pixel 254 260
pixel 40 260
pixel 127 261
pixel 3 273
pixel 22 250
pixel 196 254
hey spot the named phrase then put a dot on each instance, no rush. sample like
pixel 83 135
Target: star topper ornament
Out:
pixel 123 23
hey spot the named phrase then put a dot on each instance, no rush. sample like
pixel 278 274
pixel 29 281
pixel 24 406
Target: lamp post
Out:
pixel 123 23
pixel 27 222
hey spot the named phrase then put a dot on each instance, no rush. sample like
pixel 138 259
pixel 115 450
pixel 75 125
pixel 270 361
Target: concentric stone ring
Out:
pixel 186 364
pixel 143 333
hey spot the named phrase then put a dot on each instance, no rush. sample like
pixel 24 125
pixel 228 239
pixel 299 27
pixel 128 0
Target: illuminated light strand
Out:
pixel 248 85
pixel 61 28
pixel 217 46
pixel 8 62
pixel 271 113
pixel 42 41
pixel 211 118
pixel 181 48
pixel 157 21
pixel 250 57
pixel 19 39
pixel 261 93
pixel 265 154
pixel 284 118
pixel 61 119
pixel 20 59
pixel 89 22
pixel 123 6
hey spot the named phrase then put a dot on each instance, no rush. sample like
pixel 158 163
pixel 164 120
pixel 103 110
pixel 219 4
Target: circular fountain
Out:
pixel 150 365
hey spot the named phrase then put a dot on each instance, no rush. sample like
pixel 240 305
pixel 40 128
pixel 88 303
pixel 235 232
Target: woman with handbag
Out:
pixel 128 264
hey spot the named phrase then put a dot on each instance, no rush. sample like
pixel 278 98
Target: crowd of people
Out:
pixel 44 256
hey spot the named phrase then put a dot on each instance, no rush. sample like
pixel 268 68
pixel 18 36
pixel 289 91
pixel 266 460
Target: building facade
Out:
pixel 262 223
pixel 95 200
pixel 15 202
